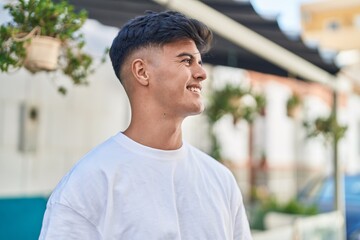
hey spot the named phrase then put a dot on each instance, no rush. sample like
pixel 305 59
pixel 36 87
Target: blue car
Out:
pixel 320 191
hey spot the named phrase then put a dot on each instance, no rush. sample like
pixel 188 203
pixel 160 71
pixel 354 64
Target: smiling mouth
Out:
pixel 194 89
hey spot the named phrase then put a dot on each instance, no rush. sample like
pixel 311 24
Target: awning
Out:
pixel 116 13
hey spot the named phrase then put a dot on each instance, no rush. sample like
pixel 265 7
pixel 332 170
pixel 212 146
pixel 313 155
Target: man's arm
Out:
pixel 62 222
pixel 241 228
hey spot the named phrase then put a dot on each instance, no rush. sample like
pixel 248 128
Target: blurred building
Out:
pixel 333 24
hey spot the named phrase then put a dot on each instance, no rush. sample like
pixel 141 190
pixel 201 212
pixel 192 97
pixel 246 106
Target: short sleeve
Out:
pixel 62 222
pixel 241 228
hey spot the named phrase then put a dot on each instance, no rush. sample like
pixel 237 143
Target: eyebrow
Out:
pixel 185 54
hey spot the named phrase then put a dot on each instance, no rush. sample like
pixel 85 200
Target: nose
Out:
pixel 199 72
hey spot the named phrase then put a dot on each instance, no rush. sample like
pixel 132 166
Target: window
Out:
pixel 333 25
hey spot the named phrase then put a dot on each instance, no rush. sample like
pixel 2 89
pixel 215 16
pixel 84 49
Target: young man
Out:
pixel 147 183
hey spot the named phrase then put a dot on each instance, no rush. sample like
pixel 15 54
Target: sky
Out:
pixel 286 11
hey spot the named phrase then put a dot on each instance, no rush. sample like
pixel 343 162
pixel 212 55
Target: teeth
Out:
pixel 195 89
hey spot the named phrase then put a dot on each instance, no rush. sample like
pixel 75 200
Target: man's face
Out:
pixel 177 74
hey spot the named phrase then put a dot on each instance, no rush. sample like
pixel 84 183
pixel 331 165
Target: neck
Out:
pixel 161 132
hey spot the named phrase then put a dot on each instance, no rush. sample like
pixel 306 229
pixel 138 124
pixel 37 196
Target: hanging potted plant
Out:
pixel 327 127
pixel 44 36
pixel 293 105
pixel 261 104
pixel 239 102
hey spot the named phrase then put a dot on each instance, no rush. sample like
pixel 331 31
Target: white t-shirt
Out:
pixel 124 190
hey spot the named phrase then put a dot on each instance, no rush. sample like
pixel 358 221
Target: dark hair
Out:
pixel 157 29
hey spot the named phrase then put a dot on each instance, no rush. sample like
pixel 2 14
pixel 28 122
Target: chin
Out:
pixel 198 110
pixel 193 109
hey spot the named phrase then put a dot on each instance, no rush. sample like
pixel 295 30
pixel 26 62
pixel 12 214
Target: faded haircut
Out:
pixel 157 29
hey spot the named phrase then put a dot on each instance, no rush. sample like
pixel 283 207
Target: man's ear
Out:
pixel 139 71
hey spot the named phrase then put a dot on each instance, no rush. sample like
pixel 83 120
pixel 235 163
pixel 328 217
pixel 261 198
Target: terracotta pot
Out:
pixel 293 112
pixel 42 54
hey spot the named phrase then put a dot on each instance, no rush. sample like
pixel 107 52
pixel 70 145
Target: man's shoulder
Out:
pixel 102 156
pixel 106 148
pixel 92 169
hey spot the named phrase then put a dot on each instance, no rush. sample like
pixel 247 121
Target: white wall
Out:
pixel 67 127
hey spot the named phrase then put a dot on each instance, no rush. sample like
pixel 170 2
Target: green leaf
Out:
pixel 55 19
